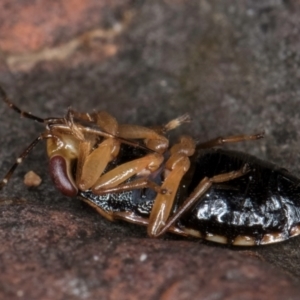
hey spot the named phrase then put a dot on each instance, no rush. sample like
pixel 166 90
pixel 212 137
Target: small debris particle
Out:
pixel 31 179
pixel 143 257
pixel 96 257
pixel 20 293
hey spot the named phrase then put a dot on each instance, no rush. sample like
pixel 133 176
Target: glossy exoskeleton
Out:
pixel 131 173
pixel 260 207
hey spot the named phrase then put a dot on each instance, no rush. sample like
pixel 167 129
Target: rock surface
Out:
pixel 232 65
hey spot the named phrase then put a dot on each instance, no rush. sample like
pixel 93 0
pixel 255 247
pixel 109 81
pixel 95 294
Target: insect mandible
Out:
pixel 130 172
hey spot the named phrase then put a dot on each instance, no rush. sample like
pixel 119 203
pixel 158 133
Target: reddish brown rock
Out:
pixel 49 253
pixel 234 67
pixel 29 26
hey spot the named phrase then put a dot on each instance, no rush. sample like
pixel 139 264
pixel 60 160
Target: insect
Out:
pixel 131 173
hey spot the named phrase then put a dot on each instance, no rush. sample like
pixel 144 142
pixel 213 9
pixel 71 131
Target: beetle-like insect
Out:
pixel 188 189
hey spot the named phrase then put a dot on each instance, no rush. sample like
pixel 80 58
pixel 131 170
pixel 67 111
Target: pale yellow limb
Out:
pixel 96 162
pixel 136 184
pixel 120 174
pixel 200 190
pixel 163 203
pixel 106 122
pixel 230 139
pixel 176 166
pixel 152 139
pixel 83 153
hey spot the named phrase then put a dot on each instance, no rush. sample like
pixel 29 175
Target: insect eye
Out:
pixel 60 171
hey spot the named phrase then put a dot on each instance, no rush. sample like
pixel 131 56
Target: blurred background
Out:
pixel 232 65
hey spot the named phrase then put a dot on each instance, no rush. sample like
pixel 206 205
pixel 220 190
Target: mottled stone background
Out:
pixel 233 65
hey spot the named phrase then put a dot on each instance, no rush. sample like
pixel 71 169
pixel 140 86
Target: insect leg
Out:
pixel 22 156
pixel 136 184
pixel 174 123
pixel 230 139
pixel 103 119
pixel 108 127
pixel 153 138
pixel 147 164
pixel 176 166
pixel 91 166
pixel 91 162
pixel 198 192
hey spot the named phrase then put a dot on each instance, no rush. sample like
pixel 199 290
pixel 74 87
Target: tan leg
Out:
pixel 90 131
pixel 147 164
pixel 163 203
pixel 153 138
pixel 93 165
pixel 109 124
pixel 103 119
pixel 79 115
pixel 176 166
pixel 90 166
pixel 230 139
pixel 173 124
pixel 176 123
pixel 199 191
pixel 84 150
pixel 113 181
pixel 140 183
pixel 106 122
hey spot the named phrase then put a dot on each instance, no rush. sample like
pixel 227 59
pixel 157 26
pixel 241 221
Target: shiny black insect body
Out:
pixel 260 207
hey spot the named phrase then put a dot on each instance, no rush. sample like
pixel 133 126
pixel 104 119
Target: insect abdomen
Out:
pixel 260 207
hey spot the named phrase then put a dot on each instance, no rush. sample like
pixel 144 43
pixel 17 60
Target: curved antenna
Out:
pixel 59 122
pixel 21 157
pixel 23 114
